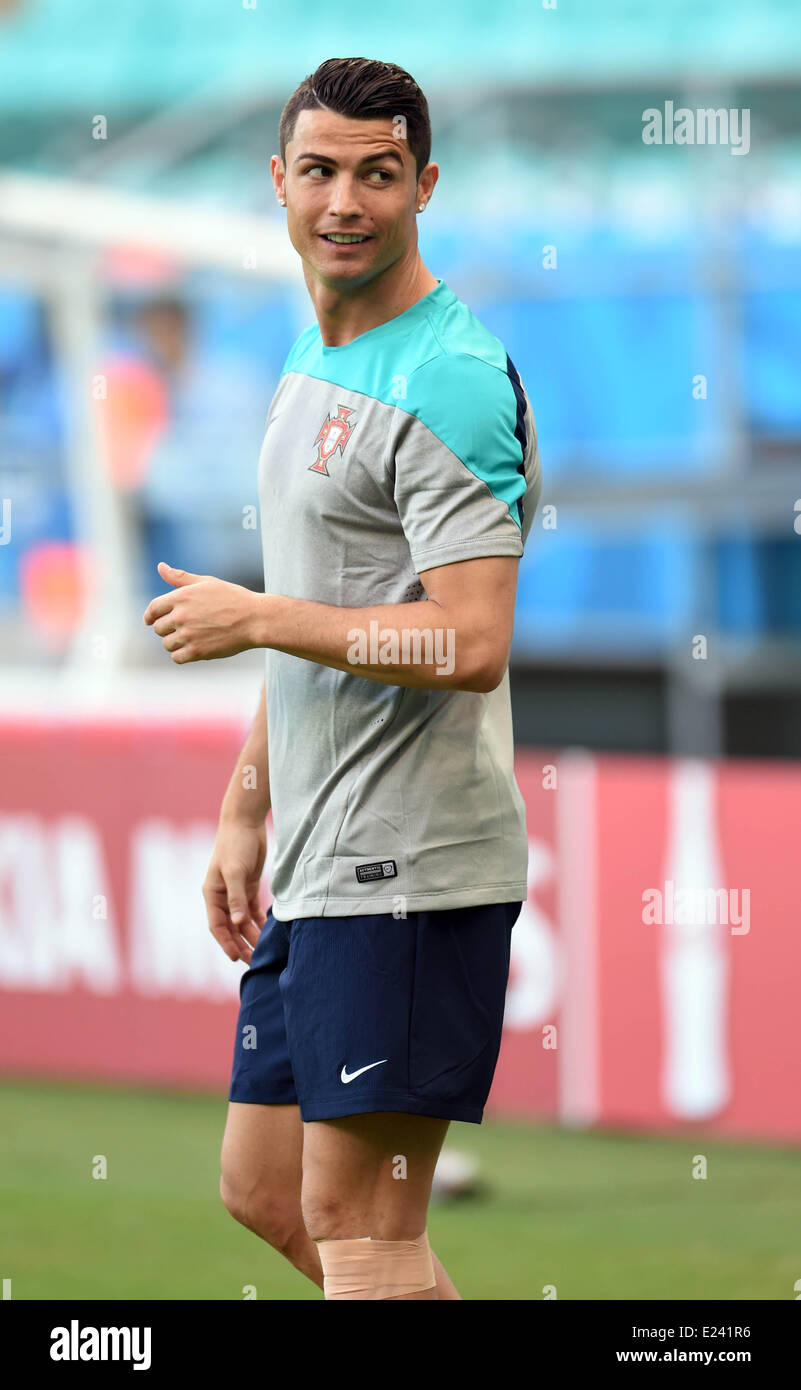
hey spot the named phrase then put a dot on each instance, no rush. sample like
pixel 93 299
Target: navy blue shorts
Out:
pixel 343 1015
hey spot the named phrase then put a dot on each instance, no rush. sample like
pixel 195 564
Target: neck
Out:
pixel 345 313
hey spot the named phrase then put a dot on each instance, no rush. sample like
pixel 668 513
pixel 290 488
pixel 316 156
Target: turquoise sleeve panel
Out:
pixel 471 407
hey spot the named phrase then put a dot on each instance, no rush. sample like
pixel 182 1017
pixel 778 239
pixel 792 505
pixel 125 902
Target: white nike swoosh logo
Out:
pixel 344 1078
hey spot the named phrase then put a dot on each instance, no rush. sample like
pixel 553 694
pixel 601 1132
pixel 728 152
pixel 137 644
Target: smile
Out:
pixel 345 238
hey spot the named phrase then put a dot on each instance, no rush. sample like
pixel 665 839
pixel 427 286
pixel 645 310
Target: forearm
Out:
pixel 416 644
pixel 247 797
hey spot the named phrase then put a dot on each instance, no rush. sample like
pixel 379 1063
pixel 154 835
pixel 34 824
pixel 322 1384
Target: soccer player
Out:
pixel 398 480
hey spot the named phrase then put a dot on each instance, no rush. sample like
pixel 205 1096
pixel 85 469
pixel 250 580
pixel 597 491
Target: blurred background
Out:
pixel 650 297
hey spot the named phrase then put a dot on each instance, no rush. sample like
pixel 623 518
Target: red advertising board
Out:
pixel 655 965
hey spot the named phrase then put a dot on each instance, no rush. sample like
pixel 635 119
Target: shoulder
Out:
pixel 457 381
pixel 470 403
pixel 465 383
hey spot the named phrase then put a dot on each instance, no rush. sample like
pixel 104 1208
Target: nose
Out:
pixel 345 200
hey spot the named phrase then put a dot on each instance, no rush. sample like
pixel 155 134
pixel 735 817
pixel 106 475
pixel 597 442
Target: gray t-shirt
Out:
pixel 411 447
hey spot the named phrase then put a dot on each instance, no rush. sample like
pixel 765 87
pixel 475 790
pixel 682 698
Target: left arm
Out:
pixel 459 637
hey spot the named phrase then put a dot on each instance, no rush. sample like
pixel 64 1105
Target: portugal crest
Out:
pixel 334 434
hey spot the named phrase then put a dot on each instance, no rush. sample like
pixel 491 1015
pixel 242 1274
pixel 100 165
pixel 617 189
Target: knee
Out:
pixel 265 1212
pixel 327 1217
pixel 330 1215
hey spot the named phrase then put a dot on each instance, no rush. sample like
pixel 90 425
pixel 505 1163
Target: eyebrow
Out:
pixel 326 159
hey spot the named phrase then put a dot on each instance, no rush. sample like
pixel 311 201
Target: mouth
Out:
pixel 345 238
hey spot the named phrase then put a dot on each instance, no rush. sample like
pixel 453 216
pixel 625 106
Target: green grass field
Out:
pixel 598 1215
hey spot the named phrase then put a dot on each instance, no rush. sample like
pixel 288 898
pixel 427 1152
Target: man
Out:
pixel 398 479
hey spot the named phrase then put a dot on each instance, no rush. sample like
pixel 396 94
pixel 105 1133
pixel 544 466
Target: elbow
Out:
pixel 484 675
pixel 490 678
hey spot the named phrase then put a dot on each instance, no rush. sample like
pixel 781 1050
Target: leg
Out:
pixel 371 1175
pixel 260 1179
pixel 261 1171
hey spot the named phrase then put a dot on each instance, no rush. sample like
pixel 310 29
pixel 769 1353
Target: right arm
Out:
pixel 231 885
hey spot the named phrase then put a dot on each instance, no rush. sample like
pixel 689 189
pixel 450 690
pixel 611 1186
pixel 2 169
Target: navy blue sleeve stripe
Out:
pixel 520 424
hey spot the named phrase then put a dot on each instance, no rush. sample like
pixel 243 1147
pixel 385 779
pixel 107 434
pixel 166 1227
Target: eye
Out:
pixel 316 169
pixel 384 173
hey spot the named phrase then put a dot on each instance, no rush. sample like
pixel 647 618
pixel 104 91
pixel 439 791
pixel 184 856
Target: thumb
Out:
pixel 177 577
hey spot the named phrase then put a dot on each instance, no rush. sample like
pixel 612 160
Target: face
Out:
pixel 355 179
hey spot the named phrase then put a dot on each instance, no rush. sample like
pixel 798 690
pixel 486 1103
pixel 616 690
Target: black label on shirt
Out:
pixel 368 873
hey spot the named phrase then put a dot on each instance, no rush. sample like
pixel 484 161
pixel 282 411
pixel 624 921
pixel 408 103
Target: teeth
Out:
pixel 343 237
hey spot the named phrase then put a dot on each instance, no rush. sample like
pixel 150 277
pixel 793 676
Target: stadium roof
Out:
pixel 73 52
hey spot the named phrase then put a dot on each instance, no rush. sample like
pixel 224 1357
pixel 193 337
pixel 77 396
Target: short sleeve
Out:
pixel 459 462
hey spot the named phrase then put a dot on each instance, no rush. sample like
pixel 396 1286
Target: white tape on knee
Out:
pixel 365 1268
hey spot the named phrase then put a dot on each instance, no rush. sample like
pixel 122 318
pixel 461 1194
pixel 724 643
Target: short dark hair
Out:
pixel 363 88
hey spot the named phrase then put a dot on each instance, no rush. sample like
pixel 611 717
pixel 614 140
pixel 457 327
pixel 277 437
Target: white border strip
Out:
pixel 578 1049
